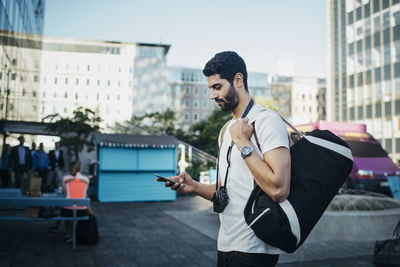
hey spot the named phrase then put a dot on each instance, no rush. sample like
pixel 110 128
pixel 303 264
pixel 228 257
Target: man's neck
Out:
pixel 241 107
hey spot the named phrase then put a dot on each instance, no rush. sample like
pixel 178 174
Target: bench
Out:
pixel 49 200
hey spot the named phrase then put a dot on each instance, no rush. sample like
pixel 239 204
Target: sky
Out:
pixel 263 32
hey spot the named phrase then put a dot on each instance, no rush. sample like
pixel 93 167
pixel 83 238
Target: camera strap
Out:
pixel 228 156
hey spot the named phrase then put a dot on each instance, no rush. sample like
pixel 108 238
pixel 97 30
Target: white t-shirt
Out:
pixel 234 233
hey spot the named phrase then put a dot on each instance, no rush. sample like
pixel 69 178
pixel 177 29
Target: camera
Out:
pixel 220 199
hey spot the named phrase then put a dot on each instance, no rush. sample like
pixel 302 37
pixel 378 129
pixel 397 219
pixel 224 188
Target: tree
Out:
pixel 75 131
pixel 204 134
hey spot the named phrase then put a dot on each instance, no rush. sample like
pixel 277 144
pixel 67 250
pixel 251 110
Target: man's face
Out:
pixel 41 146
pixel 222 92
pixel 57 145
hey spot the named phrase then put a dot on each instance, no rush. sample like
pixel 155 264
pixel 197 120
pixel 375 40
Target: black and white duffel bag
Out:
pixel 320 164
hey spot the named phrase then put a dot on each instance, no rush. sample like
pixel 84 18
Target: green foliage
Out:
pixel 204 134
pixel 75 131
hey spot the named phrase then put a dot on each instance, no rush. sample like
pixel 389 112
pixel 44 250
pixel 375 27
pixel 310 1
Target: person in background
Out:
pixel 75 185
pixel 56 158
pixel 41 164
pixel 33 152
pixel 5 170
pixel 20 160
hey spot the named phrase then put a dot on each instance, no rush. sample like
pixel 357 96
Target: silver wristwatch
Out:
pixel 246 151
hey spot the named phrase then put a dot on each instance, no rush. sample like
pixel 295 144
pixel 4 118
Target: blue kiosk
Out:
pixel 127 164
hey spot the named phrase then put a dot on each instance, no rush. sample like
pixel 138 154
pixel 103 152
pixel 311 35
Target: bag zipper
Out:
pixel 259 216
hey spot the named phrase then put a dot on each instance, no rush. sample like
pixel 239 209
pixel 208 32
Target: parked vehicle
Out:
pixel 372 164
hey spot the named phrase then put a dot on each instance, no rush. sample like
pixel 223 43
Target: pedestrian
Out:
pixel 21 160
pixel 5 170
pixel 240 163
pixel 41 164
pixel 33 151
pixel 56 158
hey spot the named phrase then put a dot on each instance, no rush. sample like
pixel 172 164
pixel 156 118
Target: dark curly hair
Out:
pixel 226 64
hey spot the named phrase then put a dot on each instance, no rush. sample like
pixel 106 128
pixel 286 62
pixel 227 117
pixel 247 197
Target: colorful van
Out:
pixel 372 164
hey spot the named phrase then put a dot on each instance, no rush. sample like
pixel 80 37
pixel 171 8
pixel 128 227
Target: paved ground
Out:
pixel 179 233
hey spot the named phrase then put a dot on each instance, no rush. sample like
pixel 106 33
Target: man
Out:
pixel 21 160
pixel 41 164
pixel 56 158
pixel 237 245
pixel 5 170
pixel 33 152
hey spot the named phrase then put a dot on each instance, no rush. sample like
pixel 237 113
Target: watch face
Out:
pixel 246 150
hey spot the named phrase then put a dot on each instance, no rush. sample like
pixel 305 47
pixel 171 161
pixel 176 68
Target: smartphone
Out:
pixel 163 179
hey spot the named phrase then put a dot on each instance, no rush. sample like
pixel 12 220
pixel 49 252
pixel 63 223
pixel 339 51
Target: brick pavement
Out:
pixel 179 233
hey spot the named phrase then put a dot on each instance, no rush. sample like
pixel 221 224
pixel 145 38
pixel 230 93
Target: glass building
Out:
pixel 364 60
pixel 20 68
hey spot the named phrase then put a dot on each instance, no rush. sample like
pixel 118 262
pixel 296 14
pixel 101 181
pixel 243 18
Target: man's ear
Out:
pixel 238 80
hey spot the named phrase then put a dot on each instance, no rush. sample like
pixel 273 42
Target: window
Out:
pixel 377 74
pixel 97 96
pixel 186 116
pixel 55 95
pixel 187 91
pixel 195 117
pixel 350 18
pixel 118 97
pixel 369 111
pixel 76 96
pixel 34 93
pixel 108 97
pixel 88 68
pixel 397 107
pixel 378 110
pixel 368 77
pixel 358 13
pixel 205 103
pixel 87 81
pixel 385 4
pixel 368 42
pixel 98 82
pixel 55 80
pixel 396 70
pixel 388 145
pixel 108 82
pixel 388 108
pixel 23 92
pixel 386 70
pixel 377 39
pixel 196 91
pixel 397 143
pixel 396 32
pixel 119 83
pixel 77 81
pixel 386 36
pixel 65 95
pixel 13 76
pixel 376 6
pixel 196 104
pixel 35 78
pixel 66 80
pixel 187 103
pixel 367 10
pixel 360 112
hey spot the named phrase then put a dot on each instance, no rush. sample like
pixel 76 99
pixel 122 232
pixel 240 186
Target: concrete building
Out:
pixel 364 61
pixel 19 66
pixel 300 99
pixel 64 73
pixel 191 95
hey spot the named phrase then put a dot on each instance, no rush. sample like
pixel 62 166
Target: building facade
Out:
pixel 300 99
pixel 364 61
pixel 20 66
pixel 191 95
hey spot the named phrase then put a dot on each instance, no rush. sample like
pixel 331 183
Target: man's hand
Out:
pixel 184 183
pixel 241 132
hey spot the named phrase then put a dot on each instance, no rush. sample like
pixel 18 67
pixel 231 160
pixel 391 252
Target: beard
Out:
pixel 231 100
